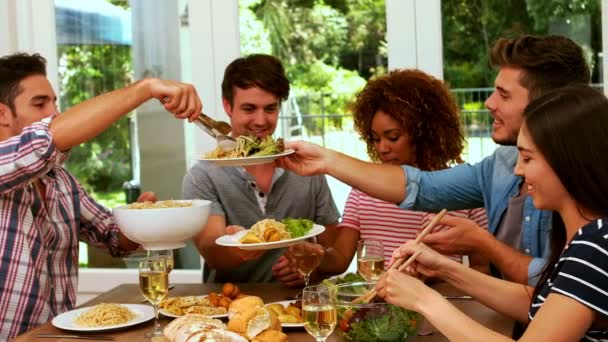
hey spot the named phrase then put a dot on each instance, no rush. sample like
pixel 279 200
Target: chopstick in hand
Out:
pixel 399 264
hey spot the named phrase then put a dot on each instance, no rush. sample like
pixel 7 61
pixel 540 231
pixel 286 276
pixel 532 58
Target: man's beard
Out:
pixel 511 140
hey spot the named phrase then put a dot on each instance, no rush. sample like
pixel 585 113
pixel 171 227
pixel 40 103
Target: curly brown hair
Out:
pixel 425 109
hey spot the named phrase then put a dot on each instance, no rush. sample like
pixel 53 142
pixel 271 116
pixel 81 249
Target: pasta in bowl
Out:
pixel 164 224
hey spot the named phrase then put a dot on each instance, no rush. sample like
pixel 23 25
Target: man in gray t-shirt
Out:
pixel 252 90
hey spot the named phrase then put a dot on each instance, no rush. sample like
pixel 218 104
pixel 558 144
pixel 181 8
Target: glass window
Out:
pixel 470 29
pixel 329 49
pixel 94 53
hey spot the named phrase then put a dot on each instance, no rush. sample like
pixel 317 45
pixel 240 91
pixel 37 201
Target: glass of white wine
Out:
pixel 154 285
pixel 370 259
pixel 319 311
pixel 166 254
pixel 305 257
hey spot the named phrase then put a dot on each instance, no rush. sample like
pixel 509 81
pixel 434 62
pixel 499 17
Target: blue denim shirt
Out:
pixel 489 183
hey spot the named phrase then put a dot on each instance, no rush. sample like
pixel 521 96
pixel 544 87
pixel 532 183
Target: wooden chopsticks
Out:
pixel 399 264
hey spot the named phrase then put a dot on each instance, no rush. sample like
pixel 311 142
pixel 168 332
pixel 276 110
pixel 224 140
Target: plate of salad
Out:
pixel 249 150
pixel 271 234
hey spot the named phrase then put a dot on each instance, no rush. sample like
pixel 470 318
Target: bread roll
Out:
pixel 250 322
pixel 270 336
pixel 242 304
pixel 216 335
pixel 186 325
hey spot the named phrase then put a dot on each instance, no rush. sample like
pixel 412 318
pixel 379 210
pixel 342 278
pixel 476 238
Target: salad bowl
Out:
pixel 374 321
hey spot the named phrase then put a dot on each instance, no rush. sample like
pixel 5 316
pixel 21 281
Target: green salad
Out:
pixel 367 322
pixel 297 227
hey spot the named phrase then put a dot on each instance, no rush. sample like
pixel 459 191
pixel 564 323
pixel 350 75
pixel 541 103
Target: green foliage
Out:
pixel 103 163
pixel 329 48
pixel 470 28
pixel 110 199
pixel 323 89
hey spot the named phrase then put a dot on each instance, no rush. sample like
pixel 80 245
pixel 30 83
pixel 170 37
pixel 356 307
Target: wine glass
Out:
pixel 166 254
pixel 154 285
pixel 305 257
pixel 370 259
pixel 319 311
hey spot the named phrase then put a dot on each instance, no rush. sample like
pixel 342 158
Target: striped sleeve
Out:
pixel 97 226
pixel 27 155
pixel 583 272
pixel 350 216
pixel 480 217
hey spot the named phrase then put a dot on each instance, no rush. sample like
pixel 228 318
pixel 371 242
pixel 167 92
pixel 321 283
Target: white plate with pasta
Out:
pixel 84 319
pixel 244 161
pixel 234 240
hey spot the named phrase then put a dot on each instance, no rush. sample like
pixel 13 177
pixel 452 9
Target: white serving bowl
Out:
pixel 162 228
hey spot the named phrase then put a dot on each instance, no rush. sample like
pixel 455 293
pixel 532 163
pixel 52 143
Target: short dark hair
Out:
pixel 424 108
pixel 257 70
pixel 14 69
pixel 549 62
pixel 569 127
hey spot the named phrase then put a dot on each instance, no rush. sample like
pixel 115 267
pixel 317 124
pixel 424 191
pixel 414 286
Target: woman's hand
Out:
pixel 402 290
pixel 429 263
pixel 309 159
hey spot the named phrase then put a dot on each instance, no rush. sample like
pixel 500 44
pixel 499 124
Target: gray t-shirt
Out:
pixel 229 190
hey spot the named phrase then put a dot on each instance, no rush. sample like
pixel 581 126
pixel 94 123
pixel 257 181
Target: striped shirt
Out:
pixel 39 235
pixel 387 222
pixel 581 273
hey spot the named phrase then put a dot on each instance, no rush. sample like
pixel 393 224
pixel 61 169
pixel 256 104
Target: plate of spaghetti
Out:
pixel 104 316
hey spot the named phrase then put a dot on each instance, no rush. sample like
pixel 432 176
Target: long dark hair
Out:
pixel 569 126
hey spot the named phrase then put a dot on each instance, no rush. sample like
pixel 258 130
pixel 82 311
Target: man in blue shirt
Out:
pixel 517 239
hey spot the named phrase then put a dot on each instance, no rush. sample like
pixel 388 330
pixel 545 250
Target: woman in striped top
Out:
pixel 405 117
pixel 562 146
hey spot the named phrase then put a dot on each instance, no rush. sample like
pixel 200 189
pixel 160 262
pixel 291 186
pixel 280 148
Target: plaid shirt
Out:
pixel 39 235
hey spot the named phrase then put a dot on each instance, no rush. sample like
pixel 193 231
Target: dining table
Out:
pixel 269 292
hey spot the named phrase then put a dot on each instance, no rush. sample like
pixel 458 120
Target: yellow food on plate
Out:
pixel 270 335
pixel 180 306
pixel 289 314
pixel 267 230
pixel 103 315
pixel 251 237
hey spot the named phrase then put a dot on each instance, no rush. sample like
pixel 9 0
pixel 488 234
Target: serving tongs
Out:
pixel 218 130
pixel 399 264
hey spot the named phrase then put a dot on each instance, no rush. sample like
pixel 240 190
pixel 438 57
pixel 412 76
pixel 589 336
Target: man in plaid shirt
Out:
pixel 44 211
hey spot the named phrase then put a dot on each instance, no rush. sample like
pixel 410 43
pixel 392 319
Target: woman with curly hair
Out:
pixel 405 117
